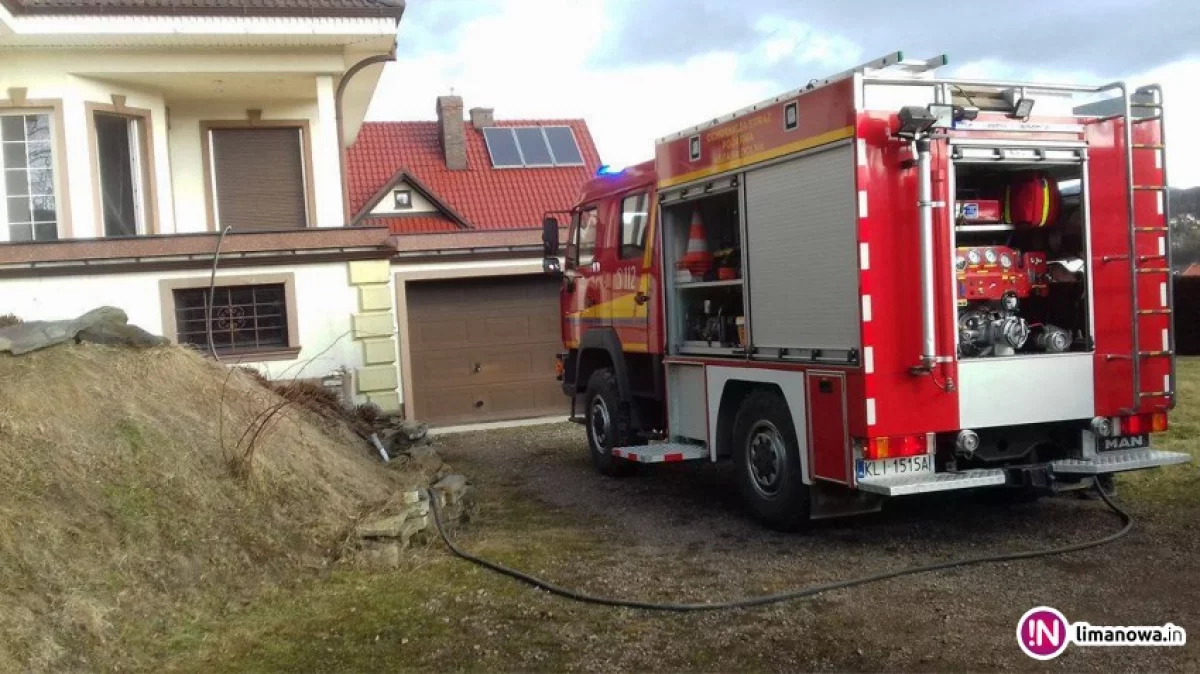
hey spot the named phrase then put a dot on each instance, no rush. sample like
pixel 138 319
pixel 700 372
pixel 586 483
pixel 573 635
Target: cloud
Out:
pixel 640 69
pixel 532 60
pixel 1107 37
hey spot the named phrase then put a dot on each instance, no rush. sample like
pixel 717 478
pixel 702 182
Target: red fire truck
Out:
pixel 883 283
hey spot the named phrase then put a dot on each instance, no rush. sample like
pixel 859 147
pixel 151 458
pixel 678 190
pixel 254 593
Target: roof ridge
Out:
pixel 467 122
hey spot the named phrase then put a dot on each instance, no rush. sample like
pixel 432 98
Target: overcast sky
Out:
pixel 640 69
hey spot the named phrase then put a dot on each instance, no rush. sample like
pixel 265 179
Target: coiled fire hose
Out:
pixel 788 595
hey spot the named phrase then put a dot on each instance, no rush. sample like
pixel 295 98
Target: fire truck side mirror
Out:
pixel 550 264
pixel 550 236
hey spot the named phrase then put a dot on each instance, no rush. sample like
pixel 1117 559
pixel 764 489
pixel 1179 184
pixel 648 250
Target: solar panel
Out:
pixel 533 146
pixel 563 145
pixel 502 145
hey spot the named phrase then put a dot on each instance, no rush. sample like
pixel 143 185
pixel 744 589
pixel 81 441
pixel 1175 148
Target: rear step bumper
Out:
pixel 1118 461
pixel 1103 463
pixel 903 485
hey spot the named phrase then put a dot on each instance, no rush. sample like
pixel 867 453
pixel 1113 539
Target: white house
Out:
pixel 145 140
pixel 133 132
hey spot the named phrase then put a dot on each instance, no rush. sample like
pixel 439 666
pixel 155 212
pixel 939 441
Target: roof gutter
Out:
pixel 341 134
pixel 18 8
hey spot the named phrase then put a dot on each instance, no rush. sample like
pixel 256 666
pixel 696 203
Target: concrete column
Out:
pixel 325 153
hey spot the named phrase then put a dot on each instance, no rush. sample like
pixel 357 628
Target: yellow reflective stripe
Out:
pixel 648 256
pixel 1045 202
pixel 1008 204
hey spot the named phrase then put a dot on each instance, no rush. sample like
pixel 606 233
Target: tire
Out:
pixel 607 423
pixel 768 462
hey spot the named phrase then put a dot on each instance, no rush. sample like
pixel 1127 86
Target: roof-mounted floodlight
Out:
pixel 1023 108
pixel 915 120
pixel 943 114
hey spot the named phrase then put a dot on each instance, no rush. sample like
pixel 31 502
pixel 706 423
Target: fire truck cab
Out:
pixel 883 283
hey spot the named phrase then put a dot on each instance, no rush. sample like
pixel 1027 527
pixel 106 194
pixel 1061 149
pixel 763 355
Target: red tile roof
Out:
pixel 413 224
pixel 486 198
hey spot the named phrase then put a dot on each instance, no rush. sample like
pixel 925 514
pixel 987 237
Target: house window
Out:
pixel 121 166
pixel 402 200
pixel 244 319
pixel 634 216
pixel 258 178
pixel 28 207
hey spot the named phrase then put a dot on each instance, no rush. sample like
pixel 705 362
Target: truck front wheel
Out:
pixel 768 462
pixel 607 423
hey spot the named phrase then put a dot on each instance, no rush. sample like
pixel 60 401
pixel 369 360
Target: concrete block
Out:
pixel 388 527
pixel 377 378
pixel 387 401
pixel 412 527
pixel 370 271
pixel 374 324
pixel 378 351
pixel 375 298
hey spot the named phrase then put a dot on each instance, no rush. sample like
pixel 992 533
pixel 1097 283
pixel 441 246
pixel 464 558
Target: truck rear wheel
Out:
pixel 607 423
pixel 768 462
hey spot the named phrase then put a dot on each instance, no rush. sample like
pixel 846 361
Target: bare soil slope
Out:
pixel 124 512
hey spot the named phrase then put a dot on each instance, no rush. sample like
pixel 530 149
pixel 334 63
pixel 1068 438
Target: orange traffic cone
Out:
pixel 697 259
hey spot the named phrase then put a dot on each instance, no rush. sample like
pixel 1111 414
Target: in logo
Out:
pixel 1042 633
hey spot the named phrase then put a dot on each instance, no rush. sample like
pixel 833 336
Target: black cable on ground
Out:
pixel 790 595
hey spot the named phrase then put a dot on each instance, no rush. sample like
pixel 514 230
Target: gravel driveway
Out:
pixel 678 533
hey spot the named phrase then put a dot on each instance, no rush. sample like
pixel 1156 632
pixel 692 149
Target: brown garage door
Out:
pixel 483 349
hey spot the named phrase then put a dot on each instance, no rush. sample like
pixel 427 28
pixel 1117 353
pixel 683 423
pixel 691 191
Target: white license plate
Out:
pixel 904 465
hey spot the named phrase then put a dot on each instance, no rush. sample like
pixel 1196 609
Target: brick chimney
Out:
pixel 450 131
pixel 483 117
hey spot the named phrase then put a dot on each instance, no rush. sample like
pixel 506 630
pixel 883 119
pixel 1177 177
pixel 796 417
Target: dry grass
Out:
pixel 9 319
pixel 119 519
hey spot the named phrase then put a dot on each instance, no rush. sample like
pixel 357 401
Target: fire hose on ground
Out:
pixel 789 595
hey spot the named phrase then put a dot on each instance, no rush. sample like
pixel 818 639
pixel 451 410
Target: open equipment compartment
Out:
pixel 1021 249
pixel 702 234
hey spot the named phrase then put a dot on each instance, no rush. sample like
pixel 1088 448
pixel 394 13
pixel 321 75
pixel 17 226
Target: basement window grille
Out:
pixel 245 319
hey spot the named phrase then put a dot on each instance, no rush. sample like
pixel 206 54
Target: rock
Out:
pixel 25 337
pixel 401 435
pixel 450 489
pixel 412 527
pixel 388 527
pixel 455 502
pixel 425 459
pixel 396 525
pixel 413 496
pixel 119 334
pixel 418 509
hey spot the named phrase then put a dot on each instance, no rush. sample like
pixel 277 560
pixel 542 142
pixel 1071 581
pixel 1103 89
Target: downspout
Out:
pixel 925 209
pixel 341 135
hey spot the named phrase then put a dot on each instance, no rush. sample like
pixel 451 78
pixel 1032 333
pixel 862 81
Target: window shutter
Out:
pixel 259 178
